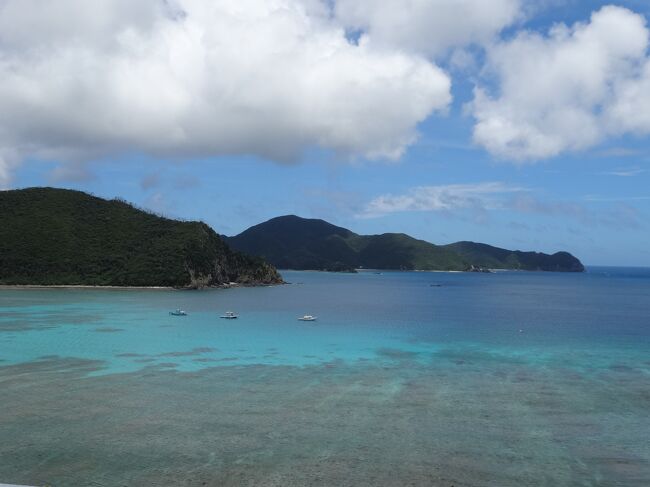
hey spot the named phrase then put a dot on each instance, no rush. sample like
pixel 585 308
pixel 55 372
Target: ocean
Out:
pixel 406 378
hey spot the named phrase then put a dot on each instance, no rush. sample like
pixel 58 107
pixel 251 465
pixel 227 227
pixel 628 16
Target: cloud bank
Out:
pixel 183 78
pixel 568 90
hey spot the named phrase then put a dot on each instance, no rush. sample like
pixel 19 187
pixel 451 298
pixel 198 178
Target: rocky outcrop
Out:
pixel 484 270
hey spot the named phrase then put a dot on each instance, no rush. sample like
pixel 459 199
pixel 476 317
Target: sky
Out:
pixel 522 124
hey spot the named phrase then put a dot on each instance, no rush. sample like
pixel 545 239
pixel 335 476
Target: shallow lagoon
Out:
pixel 504 379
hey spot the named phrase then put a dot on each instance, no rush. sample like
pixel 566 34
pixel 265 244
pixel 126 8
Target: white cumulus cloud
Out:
pixel 428 26
pixel 182 78
pixel 567 90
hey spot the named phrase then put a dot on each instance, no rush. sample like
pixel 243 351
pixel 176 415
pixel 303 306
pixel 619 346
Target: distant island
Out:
pixel 291 242
pixel 54 236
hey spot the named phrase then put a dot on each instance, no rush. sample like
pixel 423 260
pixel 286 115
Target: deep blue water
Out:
pixel 407 378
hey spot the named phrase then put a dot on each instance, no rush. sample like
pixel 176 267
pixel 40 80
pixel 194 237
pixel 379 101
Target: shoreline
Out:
pixel 86 286
pixel 486 270
pixel 132 288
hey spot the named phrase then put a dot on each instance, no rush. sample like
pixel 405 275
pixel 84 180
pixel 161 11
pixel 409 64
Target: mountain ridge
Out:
pixel 292 242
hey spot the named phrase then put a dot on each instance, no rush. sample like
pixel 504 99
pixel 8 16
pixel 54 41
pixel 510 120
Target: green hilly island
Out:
pixel 291 242
pixel 61 237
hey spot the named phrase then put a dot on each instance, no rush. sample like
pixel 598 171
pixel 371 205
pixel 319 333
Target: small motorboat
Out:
pixel 307 318
pixel 230 315
pixel 178 312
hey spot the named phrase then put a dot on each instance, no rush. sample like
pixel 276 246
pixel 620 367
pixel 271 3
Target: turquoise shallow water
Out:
pixel 599 319
pixel 502 379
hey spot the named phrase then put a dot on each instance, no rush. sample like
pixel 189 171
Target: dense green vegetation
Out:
pixel 486 256
pixel 296 243
pixel 291 242
pixel 400 251
pixel 60 237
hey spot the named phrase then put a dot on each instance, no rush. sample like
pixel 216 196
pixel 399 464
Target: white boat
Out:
pixel 308 318
pixel 230 315
pixel 178 312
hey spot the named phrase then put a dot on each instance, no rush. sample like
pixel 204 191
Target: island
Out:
pixel 292 242
pixel 59 237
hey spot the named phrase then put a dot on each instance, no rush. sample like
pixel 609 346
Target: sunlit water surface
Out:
pixel 502 379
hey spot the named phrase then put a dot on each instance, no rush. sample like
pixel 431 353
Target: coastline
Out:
pixel 85 286
pixel 485 270
pixel 368 270
pixel 131 288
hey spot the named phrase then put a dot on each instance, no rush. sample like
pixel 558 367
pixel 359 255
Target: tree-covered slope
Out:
pixel 487 256
pixel 60 237
pixel 400 251
pixel 291 242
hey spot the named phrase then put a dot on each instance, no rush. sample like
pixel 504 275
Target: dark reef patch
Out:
pixel 108 329
pixel 396 354
pixel 190 353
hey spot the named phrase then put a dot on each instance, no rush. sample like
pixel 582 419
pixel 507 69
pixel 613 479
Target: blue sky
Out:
pixel 588 194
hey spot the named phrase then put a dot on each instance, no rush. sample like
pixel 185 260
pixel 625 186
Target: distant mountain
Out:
pixel 60 237
pixel 291 242
pixel 488 257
